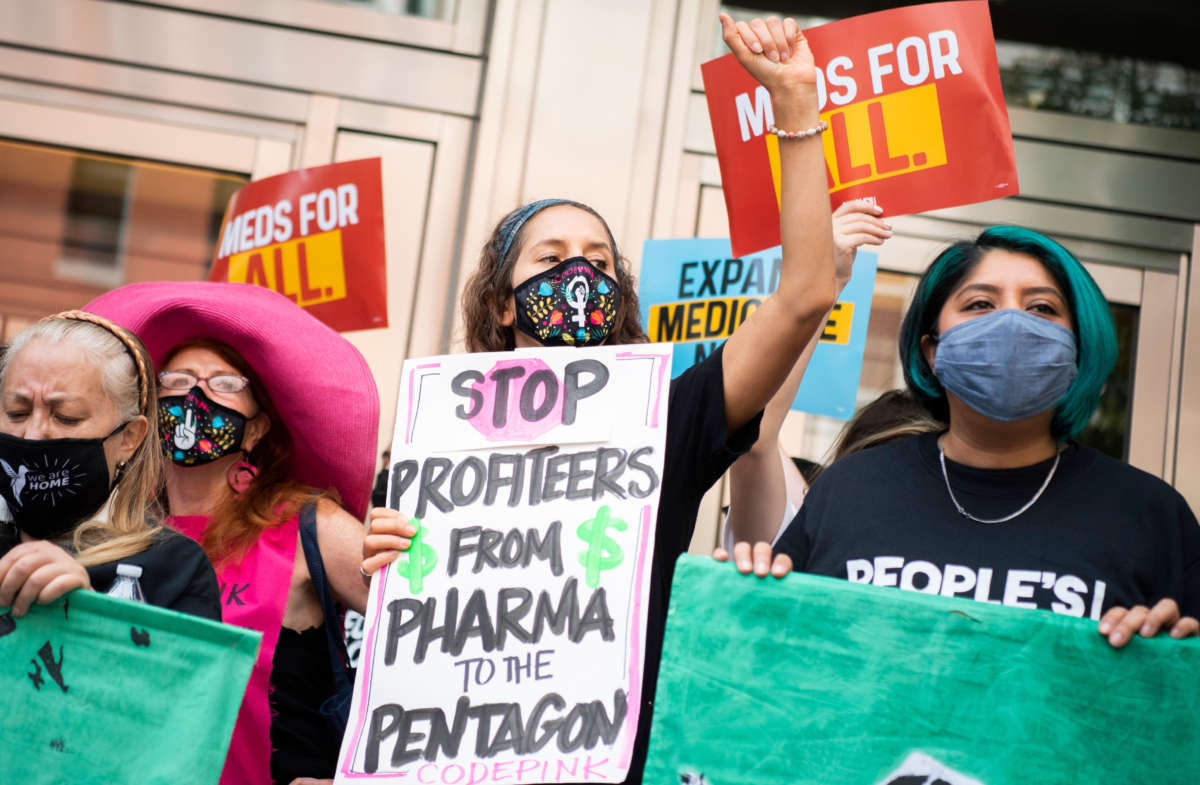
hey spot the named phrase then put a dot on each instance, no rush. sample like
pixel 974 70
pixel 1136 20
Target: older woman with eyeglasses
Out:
pixel 268 420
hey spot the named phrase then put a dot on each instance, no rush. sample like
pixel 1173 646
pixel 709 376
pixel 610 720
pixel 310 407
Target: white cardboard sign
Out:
pixel 506 644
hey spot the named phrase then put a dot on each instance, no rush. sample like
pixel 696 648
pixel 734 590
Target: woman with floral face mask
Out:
pixel 77 432
pixel 551 275
pixel 1010 341
pixel 268 420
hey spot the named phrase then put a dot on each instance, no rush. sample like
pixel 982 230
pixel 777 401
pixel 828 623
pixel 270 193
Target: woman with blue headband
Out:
pixel 1010 341
pixel 715 406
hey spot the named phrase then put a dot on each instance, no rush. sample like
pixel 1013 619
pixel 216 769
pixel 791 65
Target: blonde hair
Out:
pixel 134 518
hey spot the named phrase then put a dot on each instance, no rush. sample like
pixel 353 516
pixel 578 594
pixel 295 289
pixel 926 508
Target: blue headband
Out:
pixel 511 226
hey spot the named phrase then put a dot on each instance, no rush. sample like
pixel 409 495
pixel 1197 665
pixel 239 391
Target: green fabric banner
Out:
pixel 98 690
pixel 816 680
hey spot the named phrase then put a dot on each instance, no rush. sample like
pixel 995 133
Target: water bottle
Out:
pixel 127 586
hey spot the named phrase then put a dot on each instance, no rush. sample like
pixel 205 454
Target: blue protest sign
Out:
pixel 694 293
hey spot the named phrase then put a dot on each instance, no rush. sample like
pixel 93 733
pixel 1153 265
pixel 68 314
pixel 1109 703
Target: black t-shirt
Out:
pixel 1102 534
pixel 303 743
pixel 697 452
pixel 176 574
pixel 379 490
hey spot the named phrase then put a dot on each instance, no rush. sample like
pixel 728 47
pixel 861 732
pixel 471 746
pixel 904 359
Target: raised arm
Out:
pixel 761 353
pixel 758 481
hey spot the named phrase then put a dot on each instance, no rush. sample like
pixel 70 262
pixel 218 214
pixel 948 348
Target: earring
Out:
pixel 120 471
pixel 240 475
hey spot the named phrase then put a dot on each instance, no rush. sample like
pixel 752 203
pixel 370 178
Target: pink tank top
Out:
pixel 254 593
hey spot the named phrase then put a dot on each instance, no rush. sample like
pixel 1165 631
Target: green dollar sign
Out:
pixel 602 552
pixel 420 562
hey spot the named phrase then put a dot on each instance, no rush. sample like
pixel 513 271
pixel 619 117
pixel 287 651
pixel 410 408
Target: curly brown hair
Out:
pixel 489 291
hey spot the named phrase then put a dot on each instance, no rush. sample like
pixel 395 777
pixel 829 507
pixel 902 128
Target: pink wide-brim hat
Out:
pixel 319 383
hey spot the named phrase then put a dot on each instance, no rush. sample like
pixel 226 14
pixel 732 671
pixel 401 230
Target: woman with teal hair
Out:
pixel 1010 341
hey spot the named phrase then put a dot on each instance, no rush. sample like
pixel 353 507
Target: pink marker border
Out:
pixel 365 683
pixel 635 660
pixel 409 417
pixel 664 361
pixel 633 714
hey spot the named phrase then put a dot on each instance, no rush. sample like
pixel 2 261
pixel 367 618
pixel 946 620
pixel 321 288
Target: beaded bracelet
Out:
pixel 816 129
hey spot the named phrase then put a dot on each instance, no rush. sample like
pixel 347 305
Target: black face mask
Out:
pixel 196 429
pixel 53 485
pixel 571 304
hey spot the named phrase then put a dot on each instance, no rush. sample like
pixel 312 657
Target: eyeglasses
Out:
pixel 228 383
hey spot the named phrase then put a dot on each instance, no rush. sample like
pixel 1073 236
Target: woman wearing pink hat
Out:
pixel 715 406
pixel 269 422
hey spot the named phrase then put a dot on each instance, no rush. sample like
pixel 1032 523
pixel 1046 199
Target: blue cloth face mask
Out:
pixel 1007 365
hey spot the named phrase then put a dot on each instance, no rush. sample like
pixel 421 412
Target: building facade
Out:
pixel 124 127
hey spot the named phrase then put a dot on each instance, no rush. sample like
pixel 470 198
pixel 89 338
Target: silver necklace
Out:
pixel 1006 518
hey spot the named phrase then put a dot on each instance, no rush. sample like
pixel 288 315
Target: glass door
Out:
pixel 76 224
pixel 89 202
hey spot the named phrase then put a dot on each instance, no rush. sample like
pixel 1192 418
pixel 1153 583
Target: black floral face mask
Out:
pixel 196 429
pixel 571 304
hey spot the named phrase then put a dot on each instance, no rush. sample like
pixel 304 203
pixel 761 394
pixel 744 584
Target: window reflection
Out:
pixel 74 225
pixel 1090 84
pixel 1121 89
pixel 432 9
pixel 93 218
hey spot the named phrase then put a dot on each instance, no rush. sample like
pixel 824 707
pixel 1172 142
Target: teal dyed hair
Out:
pixel 1091 319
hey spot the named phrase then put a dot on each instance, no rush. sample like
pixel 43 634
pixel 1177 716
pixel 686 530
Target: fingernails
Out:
pixel 1146 631
pixel 1105 627
pixel 744 565
pixel 773 56
pixel 1117 638
pixel 887 226
pixel 1176 633
pixel 410 531
pixel 756 47
pixel 760 567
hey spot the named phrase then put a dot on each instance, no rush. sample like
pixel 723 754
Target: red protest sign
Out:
pixel 314 235
pixel 916 117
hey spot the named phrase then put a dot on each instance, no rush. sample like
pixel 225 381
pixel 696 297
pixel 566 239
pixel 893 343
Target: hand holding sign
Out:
pixel 388 535
pixel 913 102
pixel 38 571
pixel 856 224
pixel 756 558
